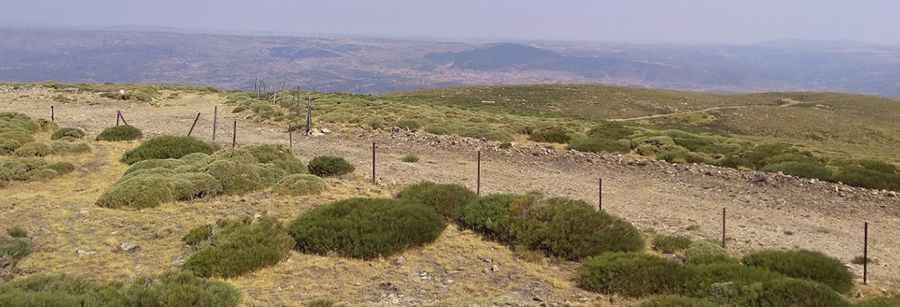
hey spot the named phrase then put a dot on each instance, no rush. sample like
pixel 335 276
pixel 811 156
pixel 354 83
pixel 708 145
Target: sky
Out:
pixel 636 21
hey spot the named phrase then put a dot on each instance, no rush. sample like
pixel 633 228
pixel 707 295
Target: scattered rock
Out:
pixel 129 247
pixel 81 252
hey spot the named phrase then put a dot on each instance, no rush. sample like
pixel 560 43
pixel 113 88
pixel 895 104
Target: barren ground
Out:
pixel 73 235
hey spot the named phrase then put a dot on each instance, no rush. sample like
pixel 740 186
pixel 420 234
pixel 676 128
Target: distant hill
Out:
pixel 375 65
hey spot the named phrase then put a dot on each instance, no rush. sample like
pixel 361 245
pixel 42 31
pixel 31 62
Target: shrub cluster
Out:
pixel 560 227
pixel 14 248
pixel 65 147
pixel 150 182
pixel 366 228
pixel 33 149
pixel 676 301
pixel 73 133
pixel 300 184
pixel 31 169
pixel 16 129
pixel 120 133
pixel 446 199
pixel 804 264
pixel 327 166
pixel 550 135
pixel 166 147
pixel 171 289
pixel 671 244
pixel 232 248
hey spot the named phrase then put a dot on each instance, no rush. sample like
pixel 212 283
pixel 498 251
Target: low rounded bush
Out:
pixel 17 232
pixel 676 301
pixel 62 168
pixel 8 146
pixel 20 169
pixel 120 133
pixel 300 184
pixel 447 199
pixel 238 247
pixel 33 149
pixel 166 147
pixel 170 164
pixel 705 252
pixel 14 248
pixel 572 229
pixel 62 147
pixel 805 264
pixel 632 275
pixel 725 281
pixel 236 178
pixel 138 192
pixel 366 228
pixel 74 133
pixel 190 186
pixel 800 169
pixel 789 292
pixel 171 289
pixel 410 158
pixel 326 166
pixel 668 244
pixel 550 135
pixel 492 215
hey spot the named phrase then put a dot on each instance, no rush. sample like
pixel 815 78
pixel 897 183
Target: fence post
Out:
pixel 215 121
pixel 723 227
pixel 118 115
pixel 373 163
pixel 600 194
pixel 291 138
pixel 234 137
pixel 194 124
pixel 478 175
pixel 122 117
pixel 866 254
pixel 52 114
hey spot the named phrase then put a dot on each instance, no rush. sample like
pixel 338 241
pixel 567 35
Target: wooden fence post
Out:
pixel 373 163
pixel 478 175
pixel 866 253
pixel 723 227
pixel 600 194
pixel 194 124
pixel 215 121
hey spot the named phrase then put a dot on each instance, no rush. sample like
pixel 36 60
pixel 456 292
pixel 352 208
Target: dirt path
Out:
pixel 759 216
pixel 787 103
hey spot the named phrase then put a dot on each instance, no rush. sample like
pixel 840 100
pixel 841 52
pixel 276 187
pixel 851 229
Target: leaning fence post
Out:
pixel 723 227
pixel 234 137
pixel 118 115
pixel 215 121
pixel 478 175
pixel 866 253
pixel 122 117
pixel 373 163
pixel 194 124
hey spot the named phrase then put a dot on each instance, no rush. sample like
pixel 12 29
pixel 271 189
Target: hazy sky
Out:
pixel 691 21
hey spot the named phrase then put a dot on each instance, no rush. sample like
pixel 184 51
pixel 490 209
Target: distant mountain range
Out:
pixel 377 65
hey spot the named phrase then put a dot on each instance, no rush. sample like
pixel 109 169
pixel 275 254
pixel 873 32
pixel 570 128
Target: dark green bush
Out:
pixel 724 281
pixel 676 301
pixel 326 166
pixel 166 147
pixel 550 135
pixel 610 131
pixel 800 169
pixel 492 215
pixel 17 232
pixel 138 192
pixel 671 244
pixel 198 235
pixel 238 247
pixel 572 229
pixel 190 186
pixel 867 178
pixel 33 149
pixel 410 158
pixel 633 275
pixel 120 133
pixel 171 289
pixel 705 252
pixel 788 292
pixel 300 184
pixel 804 264
pixel 67 133
pixel 236 178
pixel 366 228
pixel 14 248
pixel 447 199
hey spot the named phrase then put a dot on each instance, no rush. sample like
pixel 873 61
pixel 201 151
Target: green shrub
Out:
pixel 120 133
pixel 632 275
pixel 14 248
pixel 171 289
pixel 706 252
pixel 446 199
pixel 671 244
pixel 492 215
pixel 804 264
pixel 198 235
pixel 676 301
pixel 366 228
pixel 190 186
pixel 572 229
pixel 410 158
pixel 319 303
pixel 236 178
pixel 724 281
pixel 788 292
pixel 867 178
pixel 326 166
pixel 61 168
pixel 138 192
pixel 238 247
pixel 610 131
pixel 800 169
pixel 67 133
pixel 300 184
pixel 62 147
pixel 21 169
pixel 8 146
pixel 170 164
pixel 550 135
pixel 17 232
pixel 166 147
pixel 410 125
pixel 597 145
pixel 33 149
pixel 892 301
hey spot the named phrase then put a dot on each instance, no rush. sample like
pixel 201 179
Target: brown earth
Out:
pixel 770 211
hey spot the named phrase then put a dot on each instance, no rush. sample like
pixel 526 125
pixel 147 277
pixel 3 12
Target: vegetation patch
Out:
pixel 633 275
pixel 791 292
pixel 676 301
pixel 30 169
pixel 33 149
pixel 232 248
pixel 890 301
pixel 410 158
pixel 706 252
pixel 120 133
pixel 805 264
pixel 366 228
pixel 300 185
pixel 171 289
pixel 446 199
pixel 328 166
pixel 166 147
pixel 669 244
pixel 63 147
pixel 73 133
pixel 139 192
pixel 550 135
